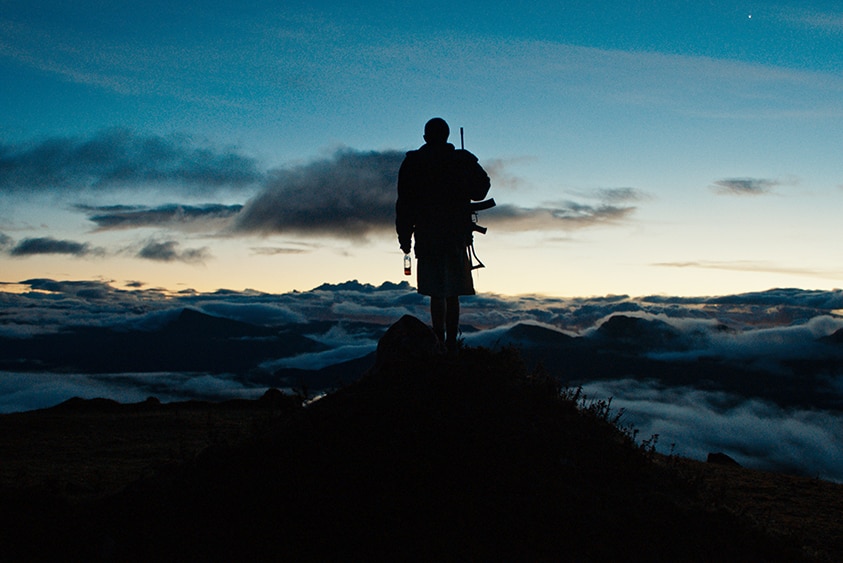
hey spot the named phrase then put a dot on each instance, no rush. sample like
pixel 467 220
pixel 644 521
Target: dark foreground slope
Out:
pixel 426 458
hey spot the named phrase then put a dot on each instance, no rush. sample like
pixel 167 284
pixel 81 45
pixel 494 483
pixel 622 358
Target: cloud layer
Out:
pixel 350 193
pixel 773 333
pixel 120 159
pixel 755 433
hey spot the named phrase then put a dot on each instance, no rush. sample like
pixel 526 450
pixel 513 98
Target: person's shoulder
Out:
pixel 412 156
pixel 420 152
pixel 465 156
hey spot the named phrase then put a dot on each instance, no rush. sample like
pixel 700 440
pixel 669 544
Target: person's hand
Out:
pixel 405 248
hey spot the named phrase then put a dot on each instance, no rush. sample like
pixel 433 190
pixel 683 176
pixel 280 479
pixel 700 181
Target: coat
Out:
pixel 436 185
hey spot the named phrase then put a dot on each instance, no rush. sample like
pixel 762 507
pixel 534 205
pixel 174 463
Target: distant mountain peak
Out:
pixel 196 323
pixel 533 334
pixel 649 333
pixel 354 285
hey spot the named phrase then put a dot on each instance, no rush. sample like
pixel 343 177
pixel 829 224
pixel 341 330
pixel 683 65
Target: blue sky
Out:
pixel 635 147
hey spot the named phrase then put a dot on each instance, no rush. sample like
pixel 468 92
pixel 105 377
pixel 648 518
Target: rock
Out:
pixel 408 340
pixel 275 399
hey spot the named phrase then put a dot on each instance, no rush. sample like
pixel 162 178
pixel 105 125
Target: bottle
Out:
pixel 408 265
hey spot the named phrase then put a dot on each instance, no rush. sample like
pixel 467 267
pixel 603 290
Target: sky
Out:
pixel 638 148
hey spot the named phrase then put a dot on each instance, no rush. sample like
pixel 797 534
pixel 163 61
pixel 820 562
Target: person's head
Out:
pixel 436 131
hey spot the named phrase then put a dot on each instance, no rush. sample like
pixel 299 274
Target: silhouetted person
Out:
pixel 436 185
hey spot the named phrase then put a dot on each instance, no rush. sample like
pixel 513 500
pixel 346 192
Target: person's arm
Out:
pixel 405 220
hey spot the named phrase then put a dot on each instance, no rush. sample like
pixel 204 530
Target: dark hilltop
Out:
pixel 428 457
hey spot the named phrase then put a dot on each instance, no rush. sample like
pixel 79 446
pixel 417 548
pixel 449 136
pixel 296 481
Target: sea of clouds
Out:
pixel 767 330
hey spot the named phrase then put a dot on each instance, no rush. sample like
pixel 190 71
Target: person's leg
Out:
pixel 452 321
pixel 437 317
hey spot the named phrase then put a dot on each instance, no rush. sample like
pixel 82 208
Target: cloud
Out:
pixel 774 327
pixel 277 250
pixel 82 289
pixel 6 242
pixel 168 251
pixel 744 186
pixel 352 193
pixel 117 159
pixel 46 306
pixel 582 215
pixel 271 314
pixel 756 433
pixel 827 22
pixel 171 215
pixel 49 245
pixel 772 349
pixel 620 195
pixel 607 208
pixel 319 360
pixel 497 169
pixel 29 391
pixel 752 266
pixel 814 301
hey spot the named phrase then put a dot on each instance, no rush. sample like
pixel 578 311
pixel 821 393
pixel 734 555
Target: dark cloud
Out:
pixel 84 289
pixel 171 215
pixel 118 158
pixel 168 251
pixel 566 215
pixel 48 245
pixel 6 242
pixel 745 186
pixel 350 194
pixel 277 250
pixel 607 206
pixel 353 193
